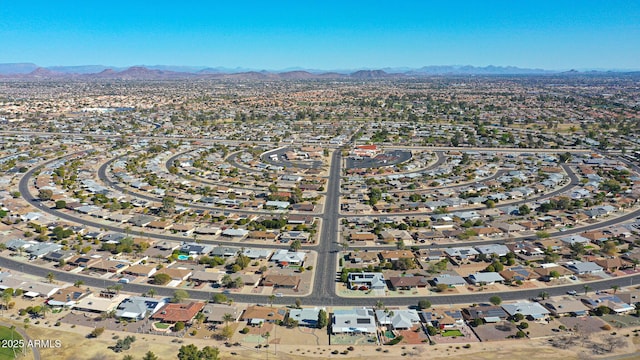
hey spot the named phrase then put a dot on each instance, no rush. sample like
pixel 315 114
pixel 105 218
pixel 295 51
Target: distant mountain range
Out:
pixel 160 72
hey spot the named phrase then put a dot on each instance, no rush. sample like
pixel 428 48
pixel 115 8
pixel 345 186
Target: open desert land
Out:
pixel 76 346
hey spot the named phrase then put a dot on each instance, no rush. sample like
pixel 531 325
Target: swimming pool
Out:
pixel 183 257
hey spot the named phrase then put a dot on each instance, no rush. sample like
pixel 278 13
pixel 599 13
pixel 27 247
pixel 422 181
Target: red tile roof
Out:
pixel 178 312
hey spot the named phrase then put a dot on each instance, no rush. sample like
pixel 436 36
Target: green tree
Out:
pixel 151 292
pixel 161 279
pixel 542 234
pixel 295 245
pixel 227 318
pixel 168 205
pixel 188 352
pixel 96 332
pixel 179 296
pixel 323 319
pixel 45 194
pixel 179 326
pixel 209 353
pixel 219 298
pixel 50 277
pixel 61 204
pixel 7 296
pixel 44 309
pixel 609 248
pixel 227 332
pixel 424 304
pixel 524 210
pixel 495 300
pixel 150 356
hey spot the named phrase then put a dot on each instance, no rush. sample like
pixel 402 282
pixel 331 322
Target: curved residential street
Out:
pixel 324 283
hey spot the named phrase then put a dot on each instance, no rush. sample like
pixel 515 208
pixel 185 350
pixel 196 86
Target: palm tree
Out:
pixel 50 277
pixel 151 292
pixel 615 288
pixel 78 283
pixel 227 318
pixel 295 245
pixel 586 289
pixel 544 295
pixel 6 299
pixel 266 336
pixel 271 299
pixel 45 309
pixel 379 305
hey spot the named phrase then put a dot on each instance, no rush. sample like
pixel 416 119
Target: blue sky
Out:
pixel 326 34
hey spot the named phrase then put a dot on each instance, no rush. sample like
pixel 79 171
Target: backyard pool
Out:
pixel 183 257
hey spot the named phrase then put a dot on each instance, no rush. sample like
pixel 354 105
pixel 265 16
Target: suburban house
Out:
pixel 614 303
pixel 461 253
pixel 282 281
pixel 353 321
pixel 398 319
pixel 101 303
pixel 583 268
pixel 531 310
pixel 369 280
pixel 257 315
pixel 203 276
pixel 306 317
pixel 408 282
pixel 138 307
pixel 286 257
pixel 255 253
pixel 193 249
pixel 216 312
pixel 491 249
pixel 176 273
pixel 363 236
pixel 68 296
pixel 490 314
pixel 363 257
pixel 573 307
pixel 141 270
pixel 546 273
pixel 485 278
pixel 449 280
pixel 172 313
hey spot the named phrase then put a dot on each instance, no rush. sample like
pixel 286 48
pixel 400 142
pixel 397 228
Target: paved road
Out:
pixel 34 349
pixel 324 284
pixel 318 299
pixel 325 275
pixel 23 187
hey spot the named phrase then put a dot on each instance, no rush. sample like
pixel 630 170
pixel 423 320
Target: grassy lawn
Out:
pixel 8 334
pixel 451 333
pixel 161 325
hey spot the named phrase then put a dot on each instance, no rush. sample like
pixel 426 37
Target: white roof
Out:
pixel 525 308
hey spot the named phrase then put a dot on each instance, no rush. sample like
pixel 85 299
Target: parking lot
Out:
pixel 387 159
